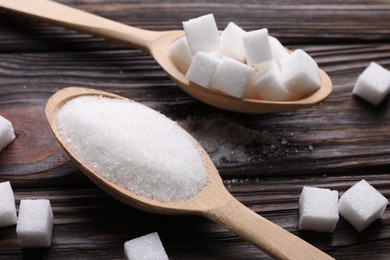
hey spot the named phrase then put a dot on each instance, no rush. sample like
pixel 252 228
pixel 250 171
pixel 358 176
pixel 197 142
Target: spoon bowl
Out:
pixel 213 202
pixel 156 44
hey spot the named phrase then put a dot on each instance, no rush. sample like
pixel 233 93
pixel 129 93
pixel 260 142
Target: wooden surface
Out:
pixel 333 145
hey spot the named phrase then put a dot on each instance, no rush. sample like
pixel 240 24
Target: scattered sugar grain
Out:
pixel 181 54
pixel 362 204
pixel 202 69
pixel 133 146
pixel 300 73
pixel 257 46
pixel 7 134
pixel 231 39
pixel 227 140
pixel 318 209
pixel 373 84
pixel 147 247
pixel 202 34
pixel 7 205
pixel 232 77
pixel 35 223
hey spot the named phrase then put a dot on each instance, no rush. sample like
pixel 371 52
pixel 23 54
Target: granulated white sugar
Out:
pixel 133 146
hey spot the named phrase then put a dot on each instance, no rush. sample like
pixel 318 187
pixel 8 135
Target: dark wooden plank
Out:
pixel 313 22
pixel 333 145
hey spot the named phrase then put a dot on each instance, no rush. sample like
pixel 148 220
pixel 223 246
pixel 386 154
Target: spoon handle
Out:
pixel 272 239
pixel 81 21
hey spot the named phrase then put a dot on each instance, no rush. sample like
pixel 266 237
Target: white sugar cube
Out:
pixel 148 247
pixel 300 73
pixel 362 204
pixel 318 209
pixel 7 205
pixel 278 50
pixel 232 77
pixel 6 133
pixel 181 54
pixel 35 223
pixel 373 84
pixel 267 84
pixel 257 46
pixel 202 69
pixel 231 39
pixel 202 34
pixel 222 53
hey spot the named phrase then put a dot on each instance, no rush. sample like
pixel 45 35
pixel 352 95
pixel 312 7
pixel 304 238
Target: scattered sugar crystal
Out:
pixel 278 50
pixel 257 46
pixel 181 54
pixel 362 204
pixel 373 84
pixel 148 247
pixel 202 34
pixel 7 205
pixel 267 84
pixel 202 69
pixel 231 39
pixel 232 77
pixel 228 140
pixel 133 146
pixel 6 133
pixel 318 209
pixel 300 73
pixel 35 223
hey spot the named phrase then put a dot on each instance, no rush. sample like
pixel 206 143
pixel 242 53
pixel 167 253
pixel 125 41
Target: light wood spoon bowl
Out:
pixel 213 202
pixel 156 44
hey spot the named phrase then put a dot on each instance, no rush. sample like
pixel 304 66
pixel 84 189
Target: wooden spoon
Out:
pixel 213 202
pixel 156 44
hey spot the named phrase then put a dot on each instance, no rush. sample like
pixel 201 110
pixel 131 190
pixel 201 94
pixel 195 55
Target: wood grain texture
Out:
pixel 349 138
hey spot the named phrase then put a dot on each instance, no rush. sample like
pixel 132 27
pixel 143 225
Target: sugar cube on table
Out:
pixel 148 247
pixel 202 69
pixel 35 223
pixel 6 133
pixel 300 73
pixel 318 209
pixel 373 84
pixel 7 205
pixel 257 46
pixel 231 39
pixel 362 204
pixel 181 54
pixel 277 49
pixel 267 84
pixel 202 34
pixel 232 77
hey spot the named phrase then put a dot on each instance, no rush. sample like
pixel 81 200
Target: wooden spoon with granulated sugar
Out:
pixel 213 202
pixel 157 44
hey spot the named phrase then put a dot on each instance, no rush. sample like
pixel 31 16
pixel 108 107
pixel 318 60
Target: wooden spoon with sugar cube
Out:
pixel 213 202
pixel 157 45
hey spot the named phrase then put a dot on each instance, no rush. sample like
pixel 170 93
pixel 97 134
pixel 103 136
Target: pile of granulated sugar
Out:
pixel 133 146
pixel 229 140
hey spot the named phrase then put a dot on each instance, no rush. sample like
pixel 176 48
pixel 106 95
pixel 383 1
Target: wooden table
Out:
pixel 332 145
